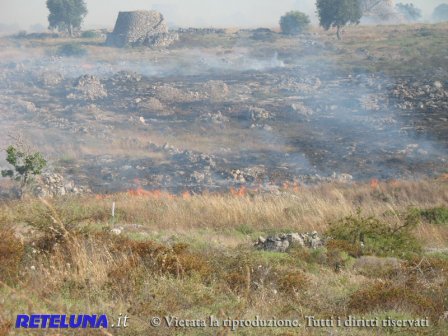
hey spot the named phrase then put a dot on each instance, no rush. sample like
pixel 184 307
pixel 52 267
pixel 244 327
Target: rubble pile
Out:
pixel 140 28
pixel 282 242
pixel 87 87
pixel 50 78
pixel 421 95
pixel 53 185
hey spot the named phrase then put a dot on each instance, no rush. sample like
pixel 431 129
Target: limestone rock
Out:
pixel 281 243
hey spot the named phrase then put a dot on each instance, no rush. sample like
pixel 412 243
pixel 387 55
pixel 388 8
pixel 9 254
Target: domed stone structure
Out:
pixel 140 28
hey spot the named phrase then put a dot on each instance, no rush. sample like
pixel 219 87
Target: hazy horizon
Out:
pixel 22 14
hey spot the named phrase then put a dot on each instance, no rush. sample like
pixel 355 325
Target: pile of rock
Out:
pixel 50 78
pixel 282 242
pixel 215 118
pixel 53 185
pixel 420 94
pixel 141 28
pixel 87 87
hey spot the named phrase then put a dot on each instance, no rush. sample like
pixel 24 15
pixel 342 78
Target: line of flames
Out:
pixel 243 191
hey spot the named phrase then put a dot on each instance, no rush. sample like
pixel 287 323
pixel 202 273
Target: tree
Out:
pixel 66 15
pixel 25 165
pixel 294 22
pixel 410 12
pixel 440 13
pixel 338 13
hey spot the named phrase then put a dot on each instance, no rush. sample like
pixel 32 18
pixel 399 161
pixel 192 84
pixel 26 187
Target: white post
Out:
pixel 113 209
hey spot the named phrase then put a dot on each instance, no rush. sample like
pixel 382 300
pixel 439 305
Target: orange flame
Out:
pixel 101 196
pixel 295 187
pixel 186 195
pixel 238 192
pixel 374 183
pixel 140 192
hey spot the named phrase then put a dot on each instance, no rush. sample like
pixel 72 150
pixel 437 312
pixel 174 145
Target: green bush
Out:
pixel 438 215
pixel 71 50
pixel 90 34
pixel 376 237
pixel 294 22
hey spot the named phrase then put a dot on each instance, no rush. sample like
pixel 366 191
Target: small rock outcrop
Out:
pixel 87 87
pixel 140 28
pixel 282 242
pixel 53 185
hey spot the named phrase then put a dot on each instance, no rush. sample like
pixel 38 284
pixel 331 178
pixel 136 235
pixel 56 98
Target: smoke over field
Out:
pixel 241 108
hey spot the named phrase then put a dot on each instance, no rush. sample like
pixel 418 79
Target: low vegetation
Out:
pixel 64 255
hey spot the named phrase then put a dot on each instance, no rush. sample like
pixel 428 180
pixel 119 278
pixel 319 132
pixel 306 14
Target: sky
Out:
pixel 184 13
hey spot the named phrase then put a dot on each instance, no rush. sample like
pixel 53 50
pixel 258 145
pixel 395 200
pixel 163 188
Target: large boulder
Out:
pixel 140 28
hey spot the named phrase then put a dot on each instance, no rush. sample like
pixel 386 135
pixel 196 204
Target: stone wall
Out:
pixel 139 28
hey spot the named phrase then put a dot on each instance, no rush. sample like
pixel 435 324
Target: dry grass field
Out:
pixel 192 256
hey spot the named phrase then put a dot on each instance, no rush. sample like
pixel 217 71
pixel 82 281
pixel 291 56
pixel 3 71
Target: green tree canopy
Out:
pixel 66 15
pixel 440 13
pixel 409 11
pixel 338 13
pixel 294 22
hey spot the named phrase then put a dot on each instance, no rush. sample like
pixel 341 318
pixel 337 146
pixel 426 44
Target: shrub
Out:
pixel 71 50
pixel 292 282
pixel 294 22
pixel 26 164
pixel 376 237
pixel 386 295
pixel 438 215
pixel 11 252
pixel 90 34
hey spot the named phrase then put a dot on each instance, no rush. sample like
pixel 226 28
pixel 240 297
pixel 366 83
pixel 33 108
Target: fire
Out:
pixel 238 192
pixel 292 187
pixel 101 196
pixel 140 192
pixel 186 195
pixel 374 183
pixel 295 187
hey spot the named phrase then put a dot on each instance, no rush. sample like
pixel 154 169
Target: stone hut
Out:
pixel 140 28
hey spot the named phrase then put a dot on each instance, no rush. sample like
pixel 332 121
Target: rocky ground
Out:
pixel 217 117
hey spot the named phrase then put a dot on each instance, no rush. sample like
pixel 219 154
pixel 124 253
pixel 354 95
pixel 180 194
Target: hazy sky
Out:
pixel 241 13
